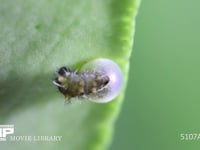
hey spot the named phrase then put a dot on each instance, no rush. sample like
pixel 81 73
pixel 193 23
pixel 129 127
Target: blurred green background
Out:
pixel 163 94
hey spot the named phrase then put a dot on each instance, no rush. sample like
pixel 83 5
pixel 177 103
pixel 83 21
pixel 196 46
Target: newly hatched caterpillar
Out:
pixel 72 84
pixel 99 81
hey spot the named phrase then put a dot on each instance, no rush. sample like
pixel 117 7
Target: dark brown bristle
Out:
pixel 62 71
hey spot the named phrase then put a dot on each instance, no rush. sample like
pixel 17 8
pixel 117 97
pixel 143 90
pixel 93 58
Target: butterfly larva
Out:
pixel 99 81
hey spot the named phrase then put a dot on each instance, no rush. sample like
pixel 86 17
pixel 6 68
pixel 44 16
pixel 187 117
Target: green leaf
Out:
pixel 39 37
